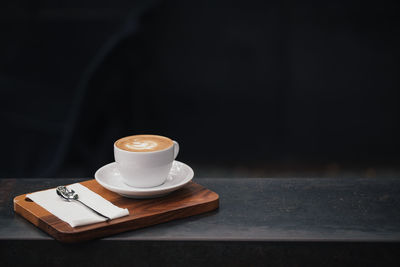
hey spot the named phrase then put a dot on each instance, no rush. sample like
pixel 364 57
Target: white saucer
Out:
pixel 109 177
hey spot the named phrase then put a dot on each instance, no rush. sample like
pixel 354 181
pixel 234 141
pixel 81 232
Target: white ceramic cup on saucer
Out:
pixel 145 160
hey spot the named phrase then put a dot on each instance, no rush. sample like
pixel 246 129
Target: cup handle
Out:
pixel 176 149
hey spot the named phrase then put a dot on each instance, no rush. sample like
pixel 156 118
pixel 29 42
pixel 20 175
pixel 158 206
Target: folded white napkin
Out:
pixel 73 212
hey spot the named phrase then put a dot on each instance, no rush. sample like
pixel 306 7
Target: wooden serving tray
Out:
pixel 190 200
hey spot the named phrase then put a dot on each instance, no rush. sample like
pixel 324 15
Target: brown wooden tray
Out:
pixel 190 200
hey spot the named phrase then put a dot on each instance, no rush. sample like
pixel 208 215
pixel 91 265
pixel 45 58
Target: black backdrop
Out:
pixel 241 82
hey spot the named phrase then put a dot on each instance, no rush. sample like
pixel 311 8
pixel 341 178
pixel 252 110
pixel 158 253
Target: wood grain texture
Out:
pixel 190 200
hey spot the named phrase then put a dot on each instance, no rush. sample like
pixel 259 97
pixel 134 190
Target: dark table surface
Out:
pixel 307 219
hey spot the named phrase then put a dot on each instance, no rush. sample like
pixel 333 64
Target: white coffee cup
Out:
pixel 145 169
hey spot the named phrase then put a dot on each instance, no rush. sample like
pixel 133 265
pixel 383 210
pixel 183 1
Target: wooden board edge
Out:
pixel 137 224
pixel 32 218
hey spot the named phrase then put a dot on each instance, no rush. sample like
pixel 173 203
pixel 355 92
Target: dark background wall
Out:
pixel 256 84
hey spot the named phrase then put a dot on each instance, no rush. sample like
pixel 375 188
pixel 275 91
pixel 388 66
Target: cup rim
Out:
pixel 144 152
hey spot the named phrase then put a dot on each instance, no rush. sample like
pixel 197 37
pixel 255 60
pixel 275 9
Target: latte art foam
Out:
pixel 141 145
pixel 144 143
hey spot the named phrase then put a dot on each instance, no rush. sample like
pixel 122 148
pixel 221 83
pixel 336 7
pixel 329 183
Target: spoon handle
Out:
pixel 95 211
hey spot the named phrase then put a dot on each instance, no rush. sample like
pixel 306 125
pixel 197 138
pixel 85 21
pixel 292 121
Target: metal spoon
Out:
pixel 69 194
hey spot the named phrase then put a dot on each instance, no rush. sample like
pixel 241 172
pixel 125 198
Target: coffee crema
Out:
pixel 144 143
